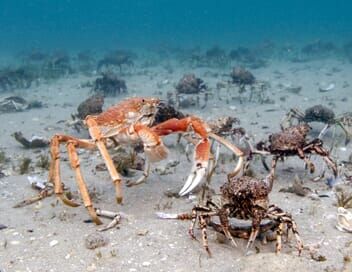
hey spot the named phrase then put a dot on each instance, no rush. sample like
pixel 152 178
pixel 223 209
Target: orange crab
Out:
pixel 131 121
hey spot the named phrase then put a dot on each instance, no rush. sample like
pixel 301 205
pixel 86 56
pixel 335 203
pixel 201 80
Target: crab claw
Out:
pixel 198 172
pixel 199 169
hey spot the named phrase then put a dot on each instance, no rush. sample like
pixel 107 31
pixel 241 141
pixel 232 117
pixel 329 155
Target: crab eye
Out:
pixel 143 100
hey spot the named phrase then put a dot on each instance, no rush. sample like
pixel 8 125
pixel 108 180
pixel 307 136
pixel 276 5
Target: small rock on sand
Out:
pixel 95 240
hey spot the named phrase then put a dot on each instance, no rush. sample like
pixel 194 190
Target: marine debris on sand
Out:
pixel 34 142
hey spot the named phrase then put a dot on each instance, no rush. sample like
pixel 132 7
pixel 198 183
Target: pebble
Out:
pixel 2 226
pixel 95 240
pixel 314 196
pixel 53 243
pixel 146 264
pixel 142 232
pixel 92 267
pixel 15 242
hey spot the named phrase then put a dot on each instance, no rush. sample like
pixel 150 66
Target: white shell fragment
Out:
pixel 53 243
pixel 163 215
pixel 344 220
pixel 328 88
pixel 36 182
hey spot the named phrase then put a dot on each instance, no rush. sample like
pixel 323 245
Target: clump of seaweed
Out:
pixel 43 162
pixel 24 165
pixel 3 157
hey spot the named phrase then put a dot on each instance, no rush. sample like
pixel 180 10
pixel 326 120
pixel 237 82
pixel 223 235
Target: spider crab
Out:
pixel 132 121
pixel 322 114
pixel 292 142
pixel 241 198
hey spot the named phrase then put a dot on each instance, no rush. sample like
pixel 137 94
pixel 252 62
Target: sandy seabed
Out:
pixel 49 236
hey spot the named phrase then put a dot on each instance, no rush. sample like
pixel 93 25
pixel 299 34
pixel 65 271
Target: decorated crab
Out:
pixel 189 87
pixel 241 198
pixel 292 142
pixel 224 126
pixel 134 121
pixel 322 114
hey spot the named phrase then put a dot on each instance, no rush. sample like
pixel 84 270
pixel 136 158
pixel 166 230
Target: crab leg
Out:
pixel 238 152
pixel 193 223
pixel 142 178
pixel 321 151
pixel 279 237
pixel 306 160
pixel 323 131
pixel 299 242
pixel 72 154
pixel 153 146
pixel 224 220
pixel 54 170
pixel 276 214
pixel 203 227
pixel 257 218
pixel 97 136
pixel 202 150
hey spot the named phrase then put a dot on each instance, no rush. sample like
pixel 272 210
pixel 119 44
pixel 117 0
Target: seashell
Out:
pixel 327 88
pixel 344 220
pixel 53 243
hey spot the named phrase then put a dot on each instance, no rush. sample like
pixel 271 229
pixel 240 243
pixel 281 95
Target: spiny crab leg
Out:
pixel 42 194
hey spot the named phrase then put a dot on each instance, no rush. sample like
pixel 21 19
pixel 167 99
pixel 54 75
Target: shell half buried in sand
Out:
pixel 344 220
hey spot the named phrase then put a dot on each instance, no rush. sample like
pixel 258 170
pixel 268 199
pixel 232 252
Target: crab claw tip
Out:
pixel 193 180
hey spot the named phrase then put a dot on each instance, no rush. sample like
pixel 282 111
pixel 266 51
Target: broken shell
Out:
pixel 327 88
pixel 53 243
pixel 344 220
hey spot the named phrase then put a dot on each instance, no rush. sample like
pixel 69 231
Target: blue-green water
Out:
pixel 108 24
